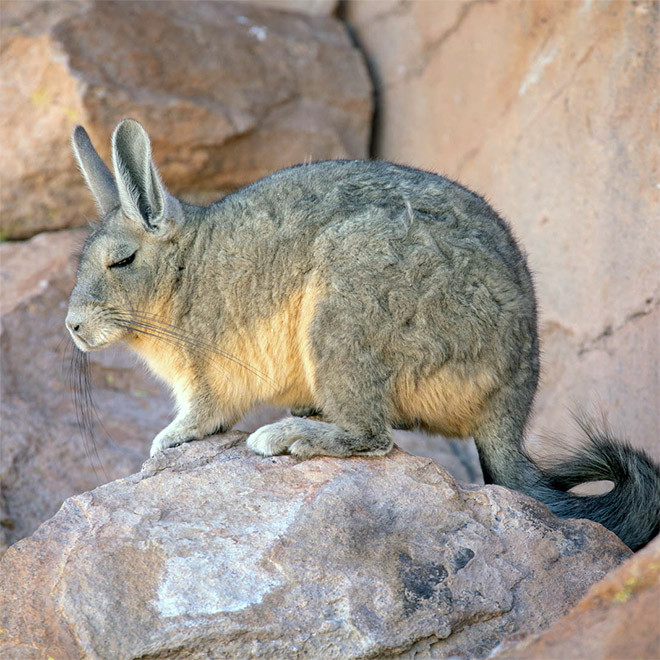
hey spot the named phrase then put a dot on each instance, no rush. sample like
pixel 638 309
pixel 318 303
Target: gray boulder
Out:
pixel 214 552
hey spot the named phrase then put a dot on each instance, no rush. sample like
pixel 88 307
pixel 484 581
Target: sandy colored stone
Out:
pixel 228 91
pixel 618 618
pixel 212 551
pixel 550 109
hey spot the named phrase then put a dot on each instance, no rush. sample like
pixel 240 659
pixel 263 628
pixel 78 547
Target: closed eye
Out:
pixel 124 262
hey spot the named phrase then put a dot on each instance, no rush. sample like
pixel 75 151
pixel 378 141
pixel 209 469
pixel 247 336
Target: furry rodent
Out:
pixel 378 294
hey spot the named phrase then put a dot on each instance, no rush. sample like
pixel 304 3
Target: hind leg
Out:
pixel 308 437
pixel 356 425
pixel 352 389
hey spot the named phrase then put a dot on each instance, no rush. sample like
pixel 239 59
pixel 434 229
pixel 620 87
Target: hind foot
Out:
pixel 306 438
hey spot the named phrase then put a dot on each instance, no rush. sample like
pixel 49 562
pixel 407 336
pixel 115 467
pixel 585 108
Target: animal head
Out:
pixel 130 259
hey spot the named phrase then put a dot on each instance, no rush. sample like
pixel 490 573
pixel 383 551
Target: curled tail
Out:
pixel 631 509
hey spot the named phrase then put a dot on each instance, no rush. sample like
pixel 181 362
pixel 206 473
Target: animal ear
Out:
pixel 141 192
pixel 98 177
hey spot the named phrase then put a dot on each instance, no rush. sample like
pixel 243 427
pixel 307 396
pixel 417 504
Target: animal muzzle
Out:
pixel 85 331
pixel 78 328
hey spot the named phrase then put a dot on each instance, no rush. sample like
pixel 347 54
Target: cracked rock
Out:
pixel 618 618
pixel 228 91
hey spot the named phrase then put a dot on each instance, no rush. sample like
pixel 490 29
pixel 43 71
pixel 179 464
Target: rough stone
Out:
pixel 228 91
pixel 550 109
pixel 212 551
pixel 618 618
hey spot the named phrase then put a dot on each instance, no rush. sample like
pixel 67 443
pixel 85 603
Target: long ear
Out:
pixel 141 192
pixel 97 175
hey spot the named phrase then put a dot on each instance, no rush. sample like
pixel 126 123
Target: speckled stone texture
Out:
pixel 618 618
pixel 228 91
pixel 214 552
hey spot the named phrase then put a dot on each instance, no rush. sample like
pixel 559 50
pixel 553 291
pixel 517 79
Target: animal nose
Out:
pixel 72 323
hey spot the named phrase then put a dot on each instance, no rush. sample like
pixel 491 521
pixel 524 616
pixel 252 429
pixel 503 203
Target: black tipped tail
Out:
pixel 631 509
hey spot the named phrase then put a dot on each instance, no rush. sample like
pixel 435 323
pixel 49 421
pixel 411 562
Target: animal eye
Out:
pixel 123 262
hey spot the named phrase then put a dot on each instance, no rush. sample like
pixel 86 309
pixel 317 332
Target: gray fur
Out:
pixel 417 279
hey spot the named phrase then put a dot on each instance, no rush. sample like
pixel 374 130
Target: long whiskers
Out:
pixel 154 326
pixel 79 373
pixel 85 406
pixel 205 345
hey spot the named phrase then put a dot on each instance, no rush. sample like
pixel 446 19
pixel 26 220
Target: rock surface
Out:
pixel 229 92
pixel 618 618
pixel 550 109
pixel 212 551
pixel 45 456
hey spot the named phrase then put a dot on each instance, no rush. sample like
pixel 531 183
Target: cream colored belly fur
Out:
pixel 267 367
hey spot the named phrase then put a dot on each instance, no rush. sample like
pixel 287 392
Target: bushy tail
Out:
pixel 631 509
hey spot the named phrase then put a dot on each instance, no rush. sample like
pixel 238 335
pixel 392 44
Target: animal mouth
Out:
pixel 87 346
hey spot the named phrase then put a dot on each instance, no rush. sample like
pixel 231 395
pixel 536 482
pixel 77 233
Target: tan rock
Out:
pixel 618 618
pixel 212 551
pixel 229 92
pixel 550 110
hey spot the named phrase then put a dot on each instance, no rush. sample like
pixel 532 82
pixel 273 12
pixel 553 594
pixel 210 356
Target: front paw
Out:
pixel 168 438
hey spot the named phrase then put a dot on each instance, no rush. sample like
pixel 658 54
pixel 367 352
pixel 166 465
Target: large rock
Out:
pixel 551 110
pixel 46 456
pixel 212 551
pixel 618 618
pixel 228 91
